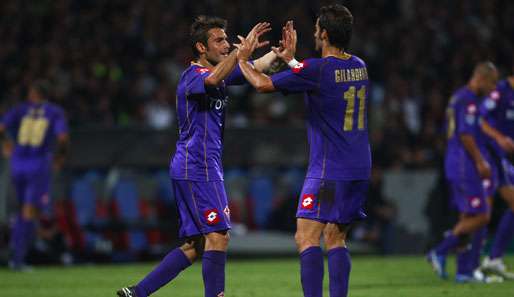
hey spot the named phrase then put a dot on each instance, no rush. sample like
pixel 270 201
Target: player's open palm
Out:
pixel 251 41
pixel 287 48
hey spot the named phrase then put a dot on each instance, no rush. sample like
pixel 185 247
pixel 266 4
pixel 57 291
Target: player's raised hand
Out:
pixel 287 48
pixel 251 42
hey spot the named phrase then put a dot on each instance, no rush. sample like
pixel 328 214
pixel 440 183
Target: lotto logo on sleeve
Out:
pixel 212 216
pixel 202 70
pixel 299 67
pixel 307 201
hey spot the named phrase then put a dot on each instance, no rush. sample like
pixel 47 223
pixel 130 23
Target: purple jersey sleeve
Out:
pixel 467 118
pixel 10 118
pixel 303 77
pixel 236 77
pixel 195 83
pixel 489 109
pixel 61 125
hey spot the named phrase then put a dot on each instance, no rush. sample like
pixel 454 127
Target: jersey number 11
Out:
pixel 349 96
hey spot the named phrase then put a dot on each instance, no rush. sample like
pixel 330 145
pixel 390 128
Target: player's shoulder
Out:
pixel 53 108
pixel 357 61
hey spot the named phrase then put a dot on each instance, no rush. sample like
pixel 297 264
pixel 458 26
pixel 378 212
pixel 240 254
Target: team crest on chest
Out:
pixel 307 201
pixel 212 216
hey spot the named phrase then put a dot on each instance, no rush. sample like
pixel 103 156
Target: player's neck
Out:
pixel 202 61
pixel 331 51
pixel 472 86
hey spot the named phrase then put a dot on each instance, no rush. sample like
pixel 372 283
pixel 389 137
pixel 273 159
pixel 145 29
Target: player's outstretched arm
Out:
pixel 260 81
pixel 225 67
pixel 264 63
pixel 62 150
pixel 505 142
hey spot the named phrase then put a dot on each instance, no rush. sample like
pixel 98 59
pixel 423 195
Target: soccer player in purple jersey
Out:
pixel 498 123
pixel 196 170
pixel 470 174
pixel 36 128
pixel 335 187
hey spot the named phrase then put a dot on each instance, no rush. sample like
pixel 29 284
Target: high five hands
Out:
pixel 285 51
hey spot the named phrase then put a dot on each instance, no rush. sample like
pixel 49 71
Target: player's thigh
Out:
pixel 469 196
pixel 334 233
pixel 202 207
pixel 37 191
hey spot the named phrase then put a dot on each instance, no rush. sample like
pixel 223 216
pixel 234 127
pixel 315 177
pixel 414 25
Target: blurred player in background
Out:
pixel 196 170
pixel 36 128
pixel 471 176
pixel 498 123
pixel 337 180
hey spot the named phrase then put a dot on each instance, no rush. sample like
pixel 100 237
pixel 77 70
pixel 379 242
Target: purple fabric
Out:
pixel 201 121
pixel 311 271
pixel 463 118
pixel 503 236
pixel 22 236
pixel 202 207
pixel 336 93
pixel 333 201
pixel 339 267
pixel 166 271
pixel 450 242
pixel 213 271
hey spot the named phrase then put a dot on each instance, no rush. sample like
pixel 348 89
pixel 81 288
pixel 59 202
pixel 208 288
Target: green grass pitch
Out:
pixel 371 277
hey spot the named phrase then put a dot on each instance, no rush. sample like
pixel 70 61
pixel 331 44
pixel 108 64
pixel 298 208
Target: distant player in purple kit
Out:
pixel 196 170
pixel 335 187
pixel 498 124
pixel 37 128
pixel 469 171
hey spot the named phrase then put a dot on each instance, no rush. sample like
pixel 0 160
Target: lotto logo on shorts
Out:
pixel 212 216
pixel 475 202
pixel 307 201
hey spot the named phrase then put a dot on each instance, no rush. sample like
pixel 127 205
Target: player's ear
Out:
pixel 324 35
pixel 200 47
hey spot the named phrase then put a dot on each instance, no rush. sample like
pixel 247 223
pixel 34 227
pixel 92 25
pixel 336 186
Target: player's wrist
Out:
pixel 292 63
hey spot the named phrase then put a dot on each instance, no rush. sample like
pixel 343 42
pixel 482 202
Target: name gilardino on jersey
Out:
pixel 349 75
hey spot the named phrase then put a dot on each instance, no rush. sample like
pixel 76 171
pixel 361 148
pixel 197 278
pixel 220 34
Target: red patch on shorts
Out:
pixel 212 216
pixel 307 201
pixel 475 202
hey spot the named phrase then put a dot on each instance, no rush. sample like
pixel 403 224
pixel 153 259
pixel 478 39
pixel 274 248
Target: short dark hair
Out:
pixel 200 29
pixel 337 20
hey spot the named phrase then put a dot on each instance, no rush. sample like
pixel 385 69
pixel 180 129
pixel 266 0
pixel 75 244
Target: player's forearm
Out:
pixel 222 70
pixel 471 147
pixel 491 131
pixel 264 63
pixel 260 81
pixel 63 146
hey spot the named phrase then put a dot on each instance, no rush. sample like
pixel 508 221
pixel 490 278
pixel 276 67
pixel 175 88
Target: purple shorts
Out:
pixel 329 201
pixel 202 207
pixel 32 187
pixel 470 196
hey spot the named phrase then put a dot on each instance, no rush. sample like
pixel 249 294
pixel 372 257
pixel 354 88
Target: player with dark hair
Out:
pixel 196 170
pixel 471 176
pixel 36 128
pixel 334 192
pixel 498 124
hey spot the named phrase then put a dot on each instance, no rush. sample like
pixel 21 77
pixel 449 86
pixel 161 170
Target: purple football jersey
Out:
pixel 498 110
pixel 463 117
pixel 336 93
pixel 201 121
pixel 34 129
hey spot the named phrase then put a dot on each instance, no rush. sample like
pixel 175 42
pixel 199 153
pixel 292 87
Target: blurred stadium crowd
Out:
pixel 116 63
